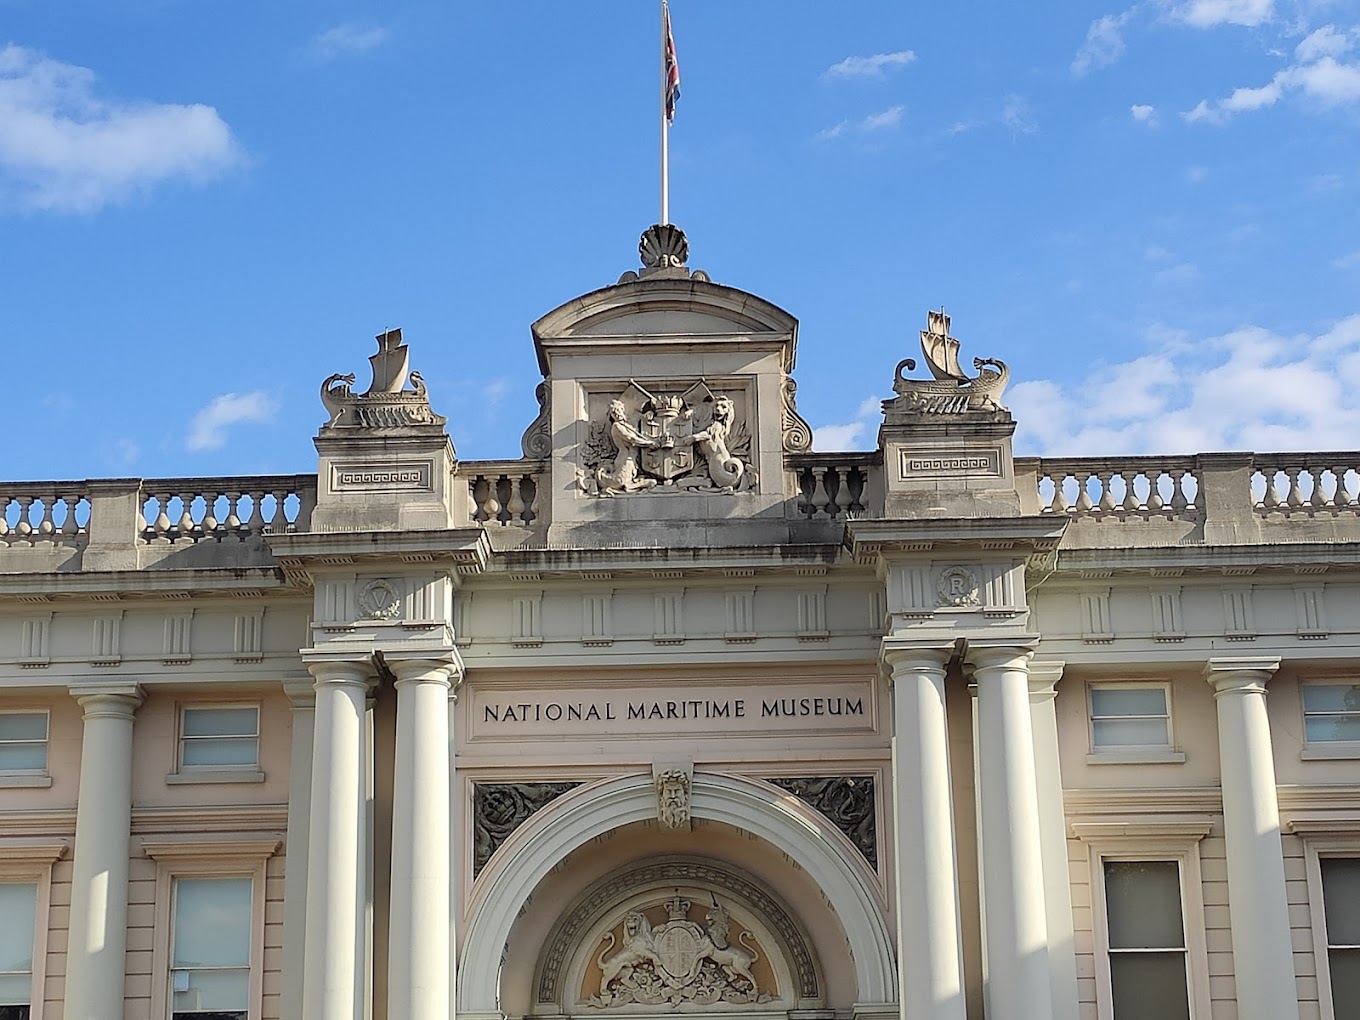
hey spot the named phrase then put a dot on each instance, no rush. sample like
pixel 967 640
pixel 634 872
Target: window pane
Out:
pixel 15 990
pixel 1129 701
pixel 23 756
pixel 212 923
pixel 1332 727
pixel 23 725
pixel 214 990
pixel 1331 697
pixel 1129 732
pixel 222 751
pixel 1344 965
pixel 1341 899
pixel 221 722
pixel 1149 986
pixel 18 910
pixel 1143 904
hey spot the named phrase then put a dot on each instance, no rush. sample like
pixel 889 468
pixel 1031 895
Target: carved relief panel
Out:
pixel 667 438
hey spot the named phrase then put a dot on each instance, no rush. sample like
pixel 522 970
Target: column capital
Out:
pixel 1044 675
pixel 112 700
pixel 1012 654
pixel 1240 674
pixel 901 655
pixel 349 670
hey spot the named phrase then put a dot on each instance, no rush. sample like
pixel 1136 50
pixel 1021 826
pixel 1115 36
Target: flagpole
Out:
pixel 665 129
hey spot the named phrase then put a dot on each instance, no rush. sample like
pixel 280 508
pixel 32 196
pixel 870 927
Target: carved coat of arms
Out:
pixel 677 961
pixel 668 442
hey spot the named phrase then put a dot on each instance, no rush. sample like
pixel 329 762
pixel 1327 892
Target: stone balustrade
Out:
pixel 1306 483
pixel 1116 487
pixel 836 485
pixel 179 510
pixel 504 492
pixel 1289 494
pixel 52 513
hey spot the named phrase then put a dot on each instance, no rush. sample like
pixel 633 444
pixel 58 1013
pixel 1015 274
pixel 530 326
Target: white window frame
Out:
pixel 245 857
pixel 188 774
pixel 1150 840
pixel 16 778
pixel 1325 749
pixel 1324 838
pixel 30 861
pixel 1132 754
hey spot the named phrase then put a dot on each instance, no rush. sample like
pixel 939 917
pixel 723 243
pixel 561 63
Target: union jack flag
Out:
pixel 672 68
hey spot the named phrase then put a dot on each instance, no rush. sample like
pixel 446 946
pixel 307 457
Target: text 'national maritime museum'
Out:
pixel 672 715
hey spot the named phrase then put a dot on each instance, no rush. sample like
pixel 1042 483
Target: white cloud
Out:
pixel 847 436
pixel 1209 13
pixel 1347 261
pixel 64 148
pixel 1325 42
pixel 126 452
pixel 1326 182
pixel 1144 114
pixel 1248 389
pixel 348 39
pixel 1104 44
pixel 1324 80
pixel 874 66
pixel 1196 174
pixel 888 120
pixel 208 429
pixel 1018 116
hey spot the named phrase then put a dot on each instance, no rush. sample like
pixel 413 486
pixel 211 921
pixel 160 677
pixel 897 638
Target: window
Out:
pixel 19 911
pixel 1341 909
pixel 23 742
pixel 1149 947
pixel 1131 723
pixel 1147 951
pixel 1331 713
pixel 211 948
pixel 207 961
pixel 220 737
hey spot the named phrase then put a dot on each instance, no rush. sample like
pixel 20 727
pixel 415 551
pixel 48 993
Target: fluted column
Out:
pixel 95 967
pixel 1016 933
pixel 929 940
pixel 302 694
pixel 1062 961
pixel 337 843
pixel 419 978
pixel 1263 958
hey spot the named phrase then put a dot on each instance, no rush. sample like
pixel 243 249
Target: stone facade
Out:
pixel 672 714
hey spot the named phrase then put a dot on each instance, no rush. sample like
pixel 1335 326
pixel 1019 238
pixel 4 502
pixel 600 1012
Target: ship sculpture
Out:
pixel 387 404
pixel 952 391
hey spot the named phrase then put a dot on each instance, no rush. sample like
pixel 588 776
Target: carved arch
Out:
pixel 748 804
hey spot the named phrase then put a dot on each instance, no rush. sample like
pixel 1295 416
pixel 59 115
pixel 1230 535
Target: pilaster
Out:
pixel 302 696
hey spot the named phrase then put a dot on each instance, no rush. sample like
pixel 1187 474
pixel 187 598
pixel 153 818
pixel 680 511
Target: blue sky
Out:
pixel 1152 212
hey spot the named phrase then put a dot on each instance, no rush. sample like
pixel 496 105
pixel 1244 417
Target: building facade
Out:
pixel 673 715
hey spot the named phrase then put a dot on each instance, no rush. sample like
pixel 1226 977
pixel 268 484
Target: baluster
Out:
pixel 255 525
pixel 233 522
pixel 210 522
pixel 161 526
pixel 1059 504
pixel 1131 502
pixel 491 506
pixel 69 527
pixel 1343 495
pixel 826 504
pixel 1155 501
pixel 1294 497
pixel 515 506
pixel 474 506
pixel 4 517
pixel 1272 496
pixel 529 486
pixel 843 500
pixel 1178 499
pixel 1106 479
pixel 48 525
pixel 1084 504
pixel 24 527
pixel 278 522
pixel 185 528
